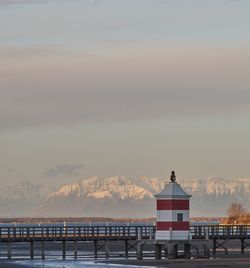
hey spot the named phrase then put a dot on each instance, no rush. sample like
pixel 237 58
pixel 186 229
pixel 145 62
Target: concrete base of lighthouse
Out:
pixel 173 249
pixel 172 235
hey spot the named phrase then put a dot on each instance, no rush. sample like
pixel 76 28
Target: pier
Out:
pixel 130 238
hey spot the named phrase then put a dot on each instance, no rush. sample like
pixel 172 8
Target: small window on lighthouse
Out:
pixel 179 217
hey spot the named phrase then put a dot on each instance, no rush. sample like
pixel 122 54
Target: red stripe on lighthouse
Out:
pixel 173 204
pixel 164 226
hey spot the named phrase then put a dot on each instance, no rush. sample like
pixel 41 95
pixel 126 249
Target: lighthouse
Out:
pixel 172 212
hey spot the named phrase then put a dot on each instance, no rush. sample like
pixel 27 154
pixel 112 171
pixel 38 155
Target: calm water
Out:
pixel 70 264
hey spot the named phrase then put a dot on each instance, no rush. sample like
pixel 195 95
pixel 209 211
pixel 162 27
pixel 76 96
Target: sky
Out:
pixel 123 87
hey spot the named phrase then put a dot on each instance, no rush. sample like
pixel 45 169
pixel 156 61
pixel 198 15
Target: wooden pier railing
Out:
pixel 84 233
pixel 133 237
pixel 221 232
pixel 88 233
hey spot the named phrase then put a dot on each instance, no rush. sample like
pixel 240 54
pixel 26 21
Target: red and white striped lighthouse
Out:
pixel 172 212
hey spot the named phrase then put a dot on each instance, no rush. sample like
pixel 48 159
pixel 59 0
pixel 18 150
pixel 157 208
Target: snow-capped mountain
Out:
pixel 98 188
pixel 113 197
pixel 120 196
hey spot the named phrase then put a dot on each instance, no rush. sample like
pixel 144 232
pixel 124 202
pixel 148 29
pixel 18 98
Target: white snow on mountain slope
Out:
pixel 119 187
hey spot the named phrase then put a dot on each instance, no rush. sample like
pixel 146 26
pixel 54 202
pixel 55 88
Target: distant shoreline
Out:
pixel 104 220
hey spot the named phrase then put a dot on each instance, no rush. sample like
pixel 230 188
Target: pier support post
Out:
pixel 43 250
pixel 187 253
pixel 157 251
pixel 9 250
pixel 64 249
pixel 32 250
pixel 214 246
pixel 206 249
pixel 172 251
pixel 95 249
pixel 126 249
pixel 139 251
pixel 75 249
pixel 106 248
pixel 242 246
pixel 165 252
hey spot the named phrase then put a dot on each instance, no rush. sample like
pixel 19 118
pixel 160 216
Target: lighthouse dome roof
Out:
pixel 173 190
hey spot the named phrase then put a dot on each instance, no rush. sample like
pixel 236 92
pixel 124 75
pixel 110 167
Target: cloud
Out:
pixel 64 170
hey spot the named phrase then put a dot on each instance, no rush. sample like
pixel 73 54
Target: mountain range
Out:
pixel 119 196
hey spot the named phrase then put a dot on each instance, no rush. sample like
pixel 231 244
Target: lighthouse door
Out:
pixel 179 217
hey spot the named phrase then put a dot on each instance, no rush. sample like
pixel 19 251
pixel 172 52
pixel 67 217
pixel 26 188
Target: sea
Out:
pixel 67 264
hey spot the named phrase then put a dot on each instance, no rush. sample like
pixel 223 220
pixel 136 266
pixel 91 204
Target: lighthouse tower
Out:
pixel 172 212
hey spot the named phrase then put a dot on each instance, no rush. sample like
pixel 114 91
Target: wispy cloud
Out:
pixel 64 170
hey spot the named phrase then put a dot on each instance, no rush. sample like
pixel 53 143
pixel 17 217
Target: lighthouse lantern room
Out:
pixel 172 212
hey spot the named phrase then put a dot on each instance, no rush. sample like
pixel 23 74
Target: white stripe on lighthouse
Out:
pixel 177 235
pixel 171 215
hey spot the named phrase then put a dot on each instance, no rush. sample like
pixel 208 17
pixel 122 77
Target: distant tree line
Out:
pixel 237 214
